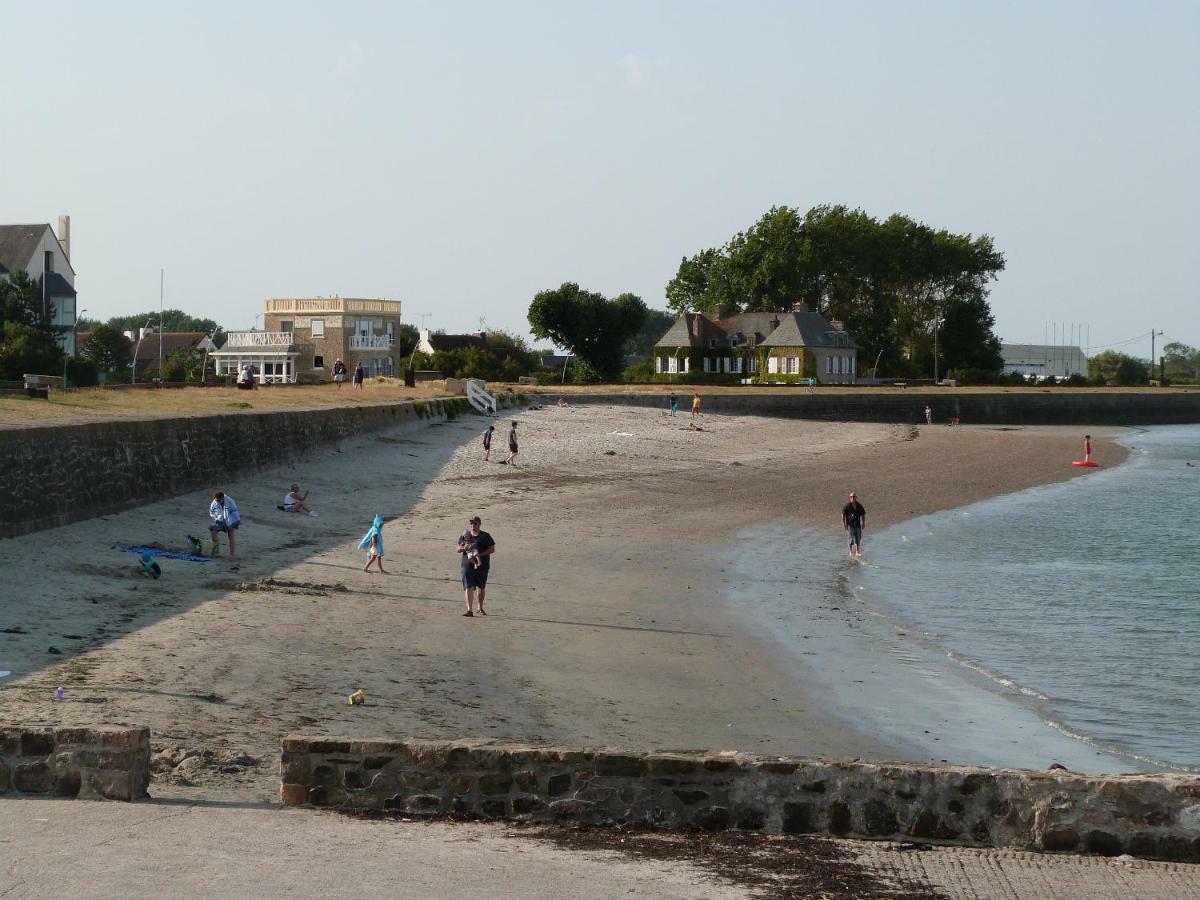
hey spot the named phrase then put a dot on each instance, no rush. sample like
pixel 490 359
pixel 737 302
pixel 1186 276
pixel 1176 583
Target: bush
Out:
pixel 639 373
pixel 1076 380
pixel 83 372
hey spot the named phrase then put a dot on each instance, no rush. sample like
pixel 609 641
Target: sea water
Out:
pixel 1079 600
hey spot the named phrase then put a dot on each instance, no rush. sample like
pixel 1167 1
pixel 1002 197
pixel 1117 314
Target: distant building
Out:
pixel 147 348
pixel 303 338
pixel 1042 360
pixel 433 341
pixel 46 258
pixel 763 347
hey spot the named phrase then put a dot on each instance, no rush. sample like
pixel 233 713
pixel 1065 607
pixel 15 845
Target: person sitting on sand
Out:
pixel 225 517
pixel 562 403
pixel 854 520
pixel 294 501
pixel 372 542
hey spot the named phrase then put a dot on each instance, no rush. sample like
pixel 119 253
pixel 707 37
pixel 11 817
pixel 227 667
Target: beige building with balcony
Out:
pixel 302 338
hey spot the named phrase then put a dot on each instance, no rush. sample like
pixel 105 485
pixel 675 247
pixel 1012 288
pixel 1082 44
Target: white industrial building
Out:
pixel 1044 360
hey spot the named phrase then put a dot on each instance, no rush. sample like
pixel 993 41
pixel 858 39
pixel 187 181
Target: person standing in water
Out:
pixel 854 520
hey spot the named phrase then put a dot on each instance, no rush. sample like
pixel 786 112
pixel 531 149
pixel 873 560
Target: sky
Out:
pixel 460 157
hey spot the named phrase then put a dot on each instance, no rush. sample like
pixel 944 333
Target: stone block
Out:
pixel 462 784
pixel 424 803
pixel 354 779
pixel 525 780
pixel 798 819
pixel 294 767
pixel 749 818
pixel 523 806
pixel 571 809
pixel 840 822
pixel 323 775
pixel 720 764
pixel 33 778
pixel 879 819
pixel 37 743
pixel 68 784
pixel 1102 843
pixel 327 796
pixel 108 786
pixel 690 797
pixel 557 785
pixel 73 737
pixel 495 784
pixel 673 765
pixel 293 794
pixel 396 801
pixel 494 808
pixel 1062 838
pixel 594 793
pixel 5 778
pixel 620 764
pixel 713 818
pixel 327 746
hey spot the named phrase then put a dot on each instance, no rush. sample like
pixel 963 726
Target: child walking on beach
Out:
pixel 487 442
pixel 372 542
pixel 695 405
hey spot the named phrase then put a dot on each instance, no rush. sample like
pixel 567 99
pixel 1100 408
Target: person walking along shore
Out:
pixel 854 520
pixel 476 548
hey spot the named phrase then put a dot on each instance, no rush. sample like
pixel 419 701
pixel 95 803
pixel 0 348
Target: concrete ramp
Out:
pixel 480 398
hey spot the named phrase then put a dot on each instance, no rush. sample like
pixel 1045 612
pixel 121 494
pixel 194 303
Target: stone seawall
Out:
pixel 1049 407
pixel 1152 816
pixel 56 475
pixel 96 762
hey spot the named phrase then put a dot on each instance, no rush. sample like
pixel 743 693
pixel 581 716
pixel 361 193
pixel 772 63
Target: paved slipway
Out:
pixel 179 848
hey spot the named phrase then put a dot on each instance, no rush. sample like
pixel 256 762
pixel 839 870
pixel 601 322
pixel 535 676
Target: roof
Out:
pixel 769 329
pixel 18 243
pixel 171 340
pixel 57 286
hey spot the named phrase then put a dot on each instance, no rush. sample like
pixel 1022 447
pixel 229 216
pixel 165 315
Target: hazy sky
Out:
pixel 461 157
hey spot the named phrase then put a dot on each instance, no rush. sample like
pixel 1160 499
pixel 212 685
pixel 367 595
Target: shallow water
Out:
pixel 1080 600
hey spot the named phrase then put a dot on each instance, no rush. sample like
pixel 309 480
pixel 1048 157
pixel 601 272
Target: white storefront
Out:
pixel 270 354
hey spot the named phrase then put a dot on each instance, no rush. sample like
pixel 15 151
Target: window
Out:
pixel 391 330
pixel 318 362
pixel 285 326
pixel 687 365
pixel 672 364
pixel 773 364
pixel 829 365
pixel 48 261
pixel 850 368
pixel 753 364
pixel 736 365
pixel 363 327
pixel 318 328
pixel 793 365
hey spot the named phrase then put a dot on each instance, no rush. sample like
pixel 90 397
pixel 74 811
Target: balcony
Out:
pixel 275 339
pixel 370 342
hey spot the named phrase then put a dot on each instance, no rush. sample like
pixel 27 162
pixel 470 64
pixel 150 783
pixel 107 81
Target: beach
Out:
pixel 611 620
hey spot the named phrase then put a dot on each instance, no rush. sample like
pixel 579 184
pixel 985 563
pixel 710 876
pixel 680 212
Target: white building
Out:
pixel 1043 360
pixel 46 258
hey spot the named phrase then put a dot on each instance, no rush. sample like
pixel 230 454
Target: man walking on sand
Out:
pixel 476 548
pixel 854 520
pixel 512 446
pixel 224 514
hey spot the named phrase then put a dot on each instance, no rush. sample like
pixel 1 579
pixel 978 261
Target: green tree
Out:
pixel 1181 363
pixel 28 337
pixel 183 364
pixel 654 327
pixel 590 326
pixel 109 349
pixel 1112 367
pixel 171 320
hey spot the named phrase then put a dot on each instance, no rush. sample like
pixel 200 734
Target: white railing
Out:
pixel 333 305
pixel 257 339
pixel 370 342
pixel 480 398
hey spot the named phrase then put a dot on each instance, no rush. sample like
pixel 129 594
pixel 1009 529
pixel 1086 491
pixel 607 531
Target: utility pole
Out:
pixel 160 322
pixel 1153 334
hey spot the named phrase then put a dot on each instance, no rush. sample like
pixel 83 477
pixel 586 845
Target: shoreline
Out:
pixel 607 622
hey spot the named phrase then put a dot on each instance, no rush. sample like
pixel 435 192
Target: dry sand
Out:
pixel 606 625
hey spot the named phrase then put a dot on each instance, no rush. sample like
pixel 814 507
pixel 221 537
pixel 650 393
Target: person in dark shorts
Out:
pixel 674 404
pixel 476 548
pixel 854 520
pixel 512 446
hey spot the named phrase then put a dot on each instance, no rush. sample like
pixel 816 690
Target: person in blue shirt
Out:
pixel 372 542
pixel 224 514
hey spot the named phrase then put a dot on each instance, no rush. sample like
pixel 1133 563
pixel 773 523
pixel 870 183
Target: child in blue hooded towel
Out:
pixel 372 542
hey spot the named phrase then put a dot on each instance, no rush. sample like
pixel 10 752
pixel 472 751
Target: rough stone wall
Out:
pixel 1154 816
pixel 93 763
pixel 56 475
pixel 1054 406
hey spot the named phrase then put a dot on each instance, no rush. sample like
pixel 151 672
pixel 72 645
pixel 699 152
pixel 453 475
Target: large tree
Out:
pixel 28 336
pixel 898 284
pixel 1112 367
pixel 654 327
pixel 170 320
pixel 1181 362
pixel 109 349
pixel 591 327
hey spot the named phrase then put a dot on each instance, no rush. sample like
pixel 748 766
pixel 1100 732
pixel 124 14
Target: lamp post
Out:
pixel 74 333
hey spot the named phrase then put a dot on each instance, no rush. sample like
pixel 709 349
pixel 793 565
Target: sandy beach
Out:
pixel 610 621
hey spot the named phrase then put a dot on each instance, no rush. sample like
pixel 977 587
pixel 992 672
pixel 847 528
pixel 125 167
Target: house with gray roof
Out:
pixel 46 258
pixel 757 348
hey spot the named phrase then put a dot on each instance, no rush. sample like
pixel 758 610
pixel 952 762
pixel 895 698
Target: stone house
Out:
pixel 46 258
pixel 304 337
pixel 758 348
pixel 431 342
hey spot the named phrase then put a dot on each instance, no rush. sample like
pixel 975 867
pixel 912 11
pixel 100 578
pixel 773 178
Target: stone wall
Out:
pixel 1053 406
pixel 1155 816
pixel 97 762
pixel 56 475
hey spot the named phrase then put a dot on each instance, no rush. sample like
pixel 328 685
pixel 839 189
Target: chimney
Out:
pixel 64 235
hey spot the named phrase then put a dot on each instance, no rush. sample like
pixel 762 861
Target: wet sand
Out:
pixel 608 622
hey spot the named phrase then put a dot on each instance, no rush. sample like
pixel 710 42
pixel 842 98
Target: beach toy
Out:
pixel 59 693
pixel 358 698
pixel 1085 464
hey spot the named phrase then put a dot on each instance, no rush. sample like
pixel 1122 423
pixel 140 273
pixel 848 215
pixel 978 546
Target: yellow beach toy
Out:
pixel 358 698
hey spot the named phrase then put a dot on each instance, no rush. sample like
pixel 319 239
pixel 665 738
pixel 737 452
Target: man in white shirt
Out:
pixel 224 513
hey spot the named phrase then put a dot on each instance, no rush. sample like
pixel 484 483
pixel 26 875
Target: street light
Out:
pixel 74 332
